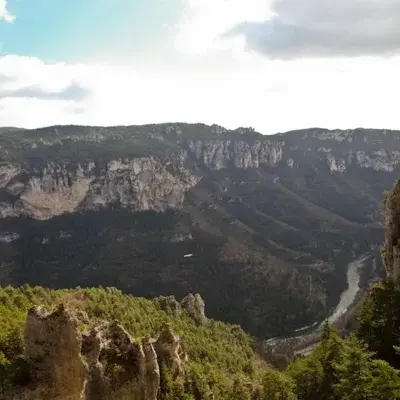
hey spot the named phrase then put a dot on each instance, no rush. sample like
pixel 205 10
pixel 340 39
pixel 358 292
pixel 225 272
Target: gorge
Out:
pixel 270 222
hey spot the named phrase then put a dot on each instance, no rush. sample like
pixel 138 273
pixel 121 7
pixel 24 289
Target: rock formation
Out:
pixel 118 366
pixel 195 307
pixel 192 305
pixel 169 351
pixel 139 184
pixel 219 154
pixel 52 350
pixel 391 251
pixel 169 305
pixel 103 363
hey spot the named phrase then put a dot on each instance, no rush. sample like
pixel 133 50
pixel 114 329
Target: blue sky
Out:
pixel 57 30
pixel 271 64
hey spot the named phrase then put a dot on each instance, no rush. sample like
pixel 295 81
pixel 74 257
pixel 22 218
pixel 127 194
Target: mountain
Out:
pixel 262 226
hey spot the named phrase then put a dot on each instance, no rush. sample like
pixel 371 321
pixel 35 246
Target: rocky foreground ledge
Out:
pixel 102 362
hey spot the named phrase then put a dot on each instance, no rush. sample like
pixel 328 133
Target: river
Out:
pixel 347 299
pixel 349 295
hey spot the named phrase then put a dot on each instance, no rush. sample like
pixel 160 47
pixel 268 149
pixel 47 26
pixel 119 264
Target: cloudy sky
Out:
pixel 275 65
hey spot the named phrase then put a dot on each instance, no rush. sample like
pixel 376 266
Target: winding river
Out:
pixel 349 295
pixel 347 299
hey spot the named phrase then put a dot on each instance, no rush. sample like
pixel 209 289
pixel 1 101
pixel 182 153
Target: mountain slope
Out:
pixel 59 347
pixel 262 226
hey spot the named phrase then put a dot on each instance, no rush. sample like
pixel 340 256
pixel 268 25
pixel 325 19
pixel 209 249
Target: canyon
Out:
pixel 262 226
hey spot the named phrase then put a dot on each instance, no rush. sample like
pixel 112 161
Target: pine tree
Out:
pixel 363 378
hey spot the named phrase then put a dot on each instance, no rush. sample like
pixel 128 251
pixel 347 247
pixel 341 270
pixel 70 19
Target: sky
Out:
pixel 274 65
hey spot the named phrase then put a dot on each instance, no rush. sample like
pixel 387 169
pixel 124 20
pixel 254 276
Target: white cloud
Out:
pixel 205 21
pixel 325 28
pixel 271 96
pixel 243 89
pixel 289 29
pixel 4 13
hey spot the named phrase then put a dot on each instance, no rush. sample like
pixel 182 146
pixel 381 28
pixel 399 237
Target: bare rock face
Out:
pixel 195 307
pixel 391 251
pixel 118 367
pixel 219 154
pixel 155 182
pixel 104 363
pixel 169 351
pixel 140 184
pixel 52 350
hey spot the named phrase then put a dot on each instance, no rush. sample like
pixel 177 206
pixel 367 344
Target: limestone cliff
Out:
pixel 79 179
pixel 219 154
pixel 139 184
pixel 103 363
pixel 391 251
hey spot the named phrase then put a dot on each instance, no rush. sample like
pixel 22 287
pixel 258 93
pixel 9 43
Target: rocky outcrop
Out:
pixel 170 352
pixel 391 250
pixel 118 366
pixel 219 154
pixel 104 363
pixel 340 150
pixel 140 184
pixel 169 305
pixel 192 305
pixel 51 188
pixel 52 351
pixel 52 195
pixel 195 307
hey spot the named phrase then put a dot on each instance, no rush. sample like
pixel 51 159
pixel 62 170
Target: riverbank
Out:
pixel 305 339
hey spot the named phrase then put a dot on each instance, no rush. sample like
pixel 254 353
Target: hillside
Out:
pixel 262 226
pixel 210 352
pixel 163 350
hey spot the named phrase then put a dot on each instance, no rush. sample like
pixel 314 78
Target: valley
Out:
pixel 271 222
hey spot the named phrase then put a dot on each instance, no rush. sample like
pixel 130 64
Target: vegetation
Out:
pixel 219 354
pixel 343 369
pixel 223 363
pixel 255 233
pixel 222 359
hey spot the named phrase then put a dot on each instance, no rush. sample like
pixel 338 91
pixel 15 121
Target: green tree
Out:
pixel 308 374
pixel 330 353
pixel 278 386
pixel 316 375
pixel 179 392
pixel 240 391
pixel 363 378
pixel 379 321
pixel 166 391
pixel 12 343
